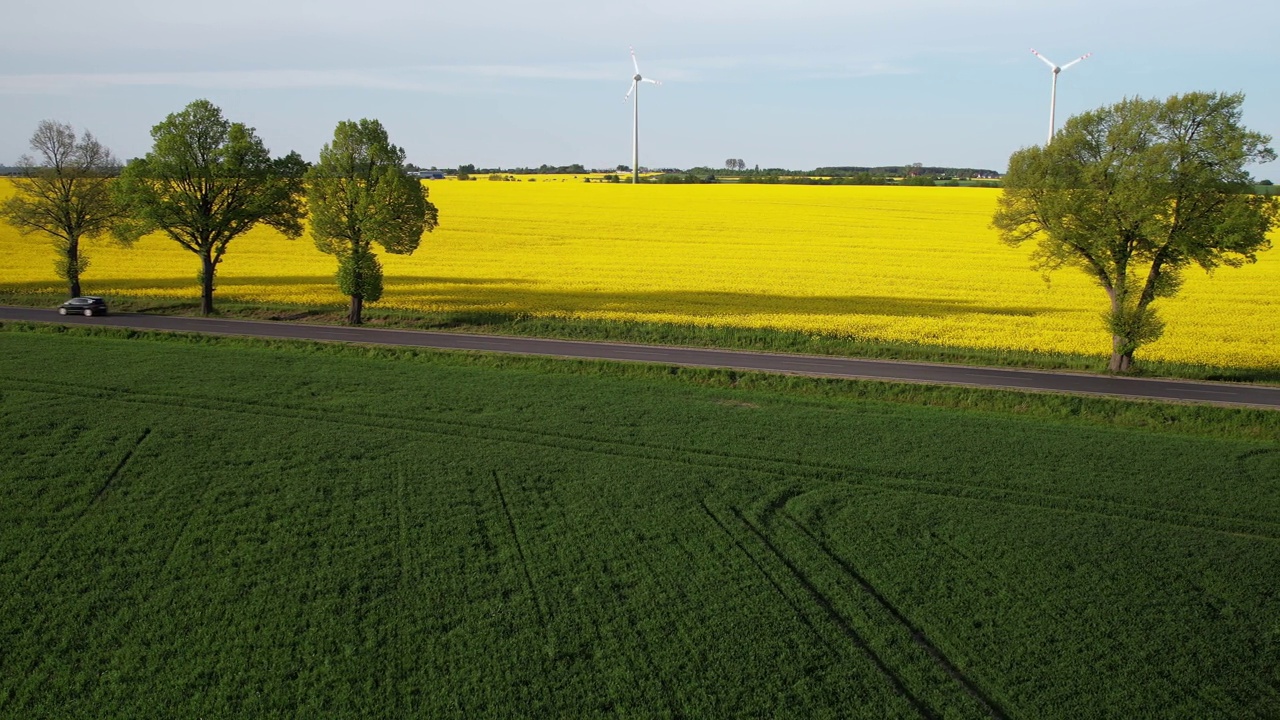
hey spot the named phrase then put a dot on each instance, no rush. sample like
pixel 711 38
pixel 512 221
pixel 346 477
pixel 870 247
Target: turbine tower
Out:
pixel 1053 96
pixel 635 122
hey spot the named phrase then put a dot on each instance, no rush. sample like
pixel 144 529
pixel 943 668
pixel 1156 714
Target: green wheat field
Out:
pixel 233 528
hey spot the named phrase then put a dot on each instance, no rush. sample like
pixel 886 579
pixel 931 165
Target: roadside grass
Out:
pixel 766 340
pixel 1182 418
pixel 202 526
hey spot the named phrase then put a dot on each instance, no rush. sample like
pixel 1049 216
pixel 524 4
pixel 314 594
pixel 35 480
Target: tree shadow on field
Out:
pixel 523 296
pixel 500 296
pixel 125 286
pixel 129 286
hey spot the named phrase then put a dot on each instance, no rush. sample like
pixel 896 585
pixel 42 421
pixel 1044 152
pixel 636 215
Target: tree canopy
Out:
pixel 359 194
pixel 1133 194
pixel 65 193
pixel 207 181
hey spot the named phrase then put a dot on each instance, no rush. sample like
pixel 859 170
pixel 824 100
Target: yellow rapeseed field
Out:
pixel 886 263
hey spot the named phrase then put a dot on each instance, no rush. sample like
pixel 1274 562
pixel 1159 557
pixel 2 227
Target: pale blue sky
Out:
pixel 498 82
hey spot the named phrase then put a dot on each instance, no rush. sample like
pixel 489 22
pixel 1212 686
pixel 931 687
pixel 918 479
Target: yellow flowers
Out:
pixel 888 263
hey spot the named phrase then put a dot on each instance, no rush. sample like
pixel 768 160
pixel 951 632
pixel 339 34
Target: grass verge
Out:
pixel 1190 419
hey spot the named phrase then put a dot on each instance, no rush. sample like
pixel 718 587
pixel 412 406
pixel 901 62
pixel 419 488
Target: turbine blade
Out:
pixel 1046 60
pixel 633 60
pixel 651 80
pixel 629 91
pixel 1073 62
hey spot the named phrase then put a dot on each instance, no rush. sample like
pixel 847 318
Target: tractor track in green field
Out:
pixel 179 537
pixel 534 596
pixel 777 508
pixel 800 614
pixel 848 475
pixel 833 616
pixel 115 472
pixel 93 502
pixel 71 526
pixel 918 636
pixel 1029 599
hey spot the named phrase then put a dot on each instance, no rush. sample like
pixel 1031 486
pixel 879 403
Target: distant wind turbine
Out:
pixel 635 123
pixel 1053 96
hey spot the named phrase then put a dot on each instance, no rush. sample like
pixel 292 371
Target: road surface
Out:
pixel 1233 394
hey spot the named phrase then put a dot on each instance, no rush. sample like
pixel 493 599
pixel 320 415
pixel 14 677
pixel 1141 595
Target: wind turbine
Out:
pixel 1053 97
pixel 635 123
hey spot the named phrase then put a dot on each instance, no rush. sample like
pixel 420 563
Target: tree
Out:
pixel 918 181
pixel 358 195
pixel 66 194
pixel 1133 194
pixel 207 181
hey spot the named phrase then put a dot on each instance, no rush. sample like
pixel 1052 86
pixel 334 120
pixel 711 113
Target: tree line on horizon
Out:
pixel 1132 194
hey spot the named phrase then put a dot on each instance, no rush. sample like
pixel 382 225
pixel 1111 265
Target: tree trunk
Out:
pixel 206 285
pixel 357 305
pixel 1121 349
pixel 73 267
pixel 1121 361
pixel 357 283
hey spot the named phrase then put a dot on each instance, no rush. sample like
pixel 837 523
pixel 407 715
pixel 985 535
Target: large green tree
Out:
pixel 358 194
pixel 65 193
pixel 1135 193
pixel 207 181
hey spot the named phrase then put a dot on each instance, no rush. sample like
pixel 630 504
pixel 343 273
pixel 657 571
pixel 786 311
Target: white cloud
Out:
pixel 448 79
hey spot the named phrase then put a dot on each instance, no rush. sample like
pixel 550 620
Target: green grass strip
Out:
pixel 1187 419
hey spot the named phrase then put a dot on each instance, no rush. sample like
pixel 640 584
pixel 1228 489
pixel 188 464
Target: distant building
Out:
pixel 429 174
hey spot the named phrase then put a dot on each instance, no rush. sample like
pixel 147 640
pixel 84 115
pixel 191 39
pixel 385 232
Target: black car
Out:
pixel 88 306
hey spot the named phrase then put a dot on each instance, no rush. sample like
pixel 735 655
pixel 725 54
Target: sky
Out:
pixel 797 84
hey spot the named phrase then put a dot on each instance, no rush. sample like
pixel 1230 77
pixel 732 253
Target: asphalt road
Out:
pixel 1235 394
